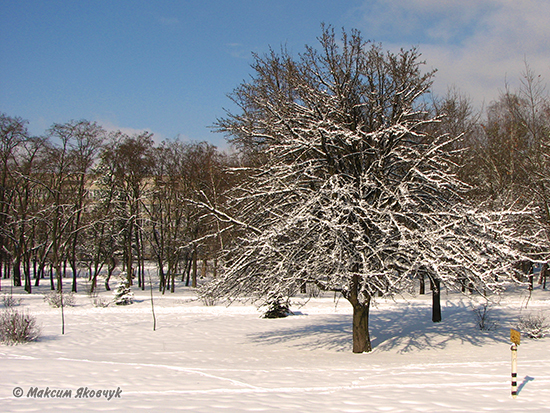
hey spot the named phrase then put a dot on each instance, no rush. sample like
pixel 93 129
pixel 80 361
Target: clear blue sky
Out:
pixel 167 66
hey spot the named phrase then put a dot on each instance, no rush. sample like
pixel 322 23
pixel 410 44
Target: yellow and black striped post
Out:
pixel 515 337
pixel 514 349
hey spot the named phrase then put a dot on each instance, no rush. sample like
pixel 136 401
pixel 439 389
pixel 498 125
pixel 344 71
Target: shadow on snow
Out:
pixel 402 328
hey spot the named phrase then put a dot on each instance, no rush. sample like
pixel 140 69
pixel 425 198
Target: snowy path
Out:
pixel 210 359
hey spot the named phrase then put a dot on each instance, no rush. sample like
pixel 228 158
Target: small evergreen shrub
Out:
pixel 53 298
pixel 277 308
pixel 123 295
pixel 17 327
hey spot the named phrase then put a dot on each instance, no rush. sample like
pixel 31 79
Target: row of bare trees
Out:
pixel 84 200
pixel 81 199
pixel 506 156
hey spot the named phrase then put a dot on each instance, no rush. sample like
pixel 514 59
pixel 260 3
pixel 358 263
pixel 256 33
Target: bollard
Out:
pixel 515 337
pixel 514 349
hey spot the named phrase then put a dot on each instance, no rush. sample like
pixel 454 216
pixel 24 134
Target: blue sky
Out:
pixel 167 66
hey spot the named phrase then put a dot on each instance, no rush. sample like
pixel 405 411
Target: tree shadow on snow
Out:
pixel 410 327
pixel 320 332
pixel 404 328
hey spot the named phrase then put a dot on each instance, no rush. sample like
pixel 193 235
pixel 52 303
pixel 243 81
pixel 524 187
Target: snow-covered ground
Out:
pixel 227 359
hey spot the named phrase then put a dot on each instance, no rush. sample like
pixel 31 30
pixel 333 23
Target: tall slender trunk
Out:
pixel 74 274
pixel 187 272
pixel 52 285
pixel 436 301
pixel 97 267
pixel 142 258
pixel 17 272
pixel 27 275
pixel 79 204
pixel 160 264
pixel 204 267
pixel 173 285
pixel 111 265
pixel 41 271
pixel 194 279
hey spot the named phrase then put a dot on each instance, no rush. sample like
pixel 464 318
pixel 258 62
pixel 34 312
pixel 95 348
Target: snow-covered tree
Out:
pixel 354 189
pixel 123 295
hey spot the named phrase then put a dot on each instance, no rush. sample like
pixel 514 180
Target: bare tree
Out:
pixel 13 132
pixel 80 145
pixel 186 175
pixel 127 162
pixel 168 215
pixel 355 192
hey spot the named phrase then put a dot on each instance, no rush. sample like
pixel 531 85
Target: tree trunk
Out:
pixel 142 269
pixel 110 268
pixel 27 274
pixel 17 273
pixel 52 285
pixel 161 274
pixel 361 336
pixel 436 301
pixel 74 274
pixel 187 273
pixel 422 283
pixel 194 279
pixel 97 269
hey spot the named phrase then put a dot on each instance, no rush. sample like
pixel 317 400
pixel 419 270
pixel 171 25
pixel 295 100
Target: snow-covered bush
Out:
pixel 209 300
pixel 123 295
pixel 17 327
pixel 9 300
pixel 98 301
pixel 53 298
pixel 534 325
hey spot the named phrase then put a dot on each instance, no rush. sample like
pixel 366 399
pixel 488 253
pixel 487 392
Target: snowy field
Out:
pixel 227 359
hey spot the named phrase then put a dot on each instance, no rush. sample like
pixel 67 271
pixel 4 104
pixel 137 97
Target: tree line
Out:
pixel 80 200
pixel 347 174
pixel 91 200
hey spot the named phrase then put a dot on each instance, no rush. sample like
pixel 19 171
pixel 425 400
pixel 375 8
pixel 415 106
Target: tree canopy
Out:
pixel 355 186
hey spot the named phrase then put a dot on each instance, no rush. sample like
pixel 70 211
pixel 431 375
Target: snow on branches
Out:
pixel 354 187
